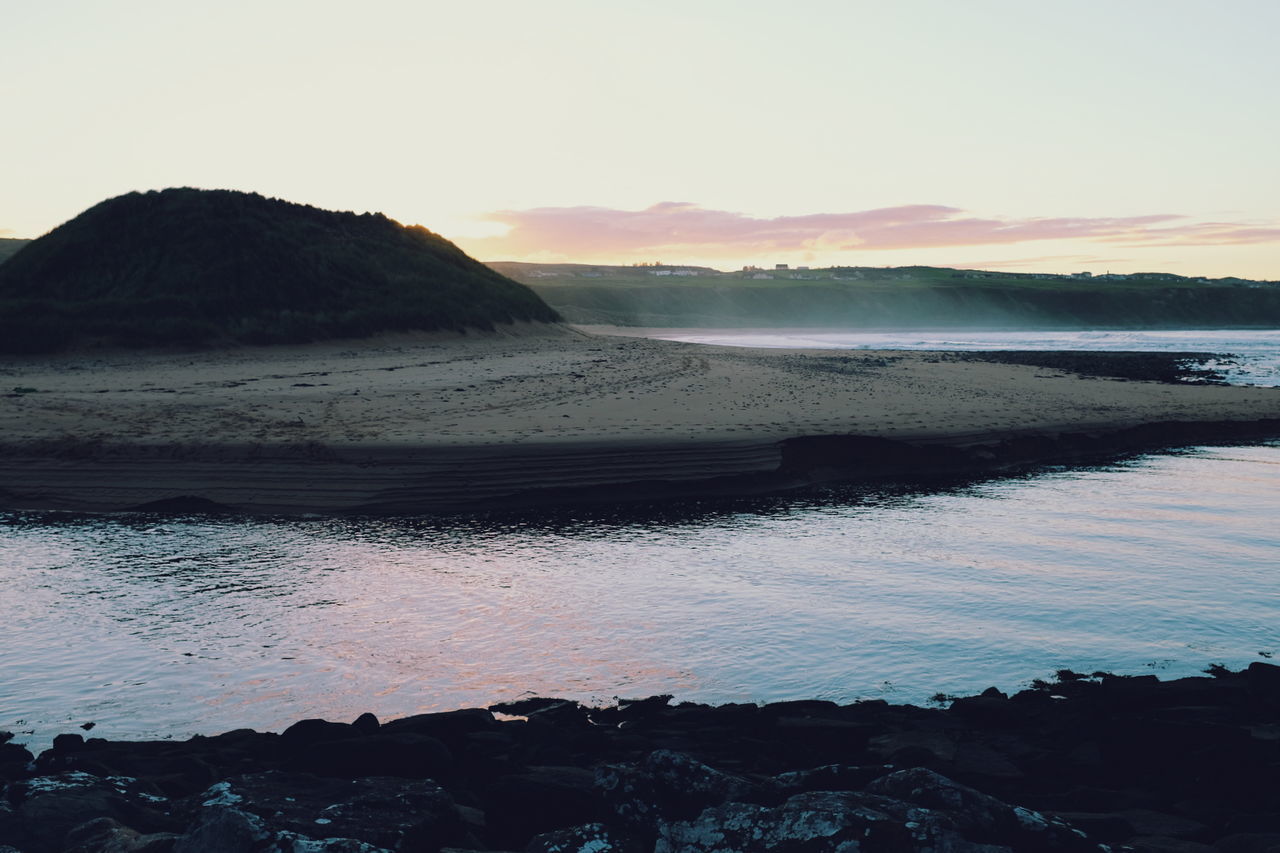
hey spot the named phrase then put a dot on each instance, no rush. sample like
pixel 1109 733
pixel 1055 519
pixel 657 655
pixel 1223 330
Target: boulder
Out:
pixel 44 809
pixel 588 838
pixel 401 814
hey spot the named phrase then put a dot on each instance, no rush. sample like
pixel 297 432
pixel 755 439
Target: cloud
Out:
pixel 683 228
pixel 7 232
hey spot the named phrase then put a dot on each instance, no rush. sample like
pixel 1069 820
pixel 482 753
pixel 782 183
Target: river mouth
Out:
pixel 165 626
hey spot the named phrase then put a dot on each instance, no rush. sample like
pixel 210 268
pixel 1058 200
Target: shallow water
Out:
pixel 167 627
pixel 1255 353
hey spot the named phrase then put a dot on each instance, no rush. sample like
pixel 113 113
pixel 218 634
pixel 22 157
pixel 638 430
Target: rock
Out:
pixel 829 777
pixel 921 748
pixel 1263 680
pixel 977 814
pixel 366 724
pixel 539 800
pixel 446 725
pixel 669 786
pixel 817 821
pixel 1160 844
pixel 305 734
pixel 15 759
pixel 222 828
pixel 392 813
pixel 1249 842
pixel 1148 822
pixel 46 808
pixel 589 838
pixel 104 835
pixel 1104 827
pixel 404 754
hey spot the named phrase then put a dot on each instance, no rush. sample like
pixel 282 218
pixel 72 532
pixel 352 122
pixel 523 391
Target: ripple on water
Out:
pixel 170 627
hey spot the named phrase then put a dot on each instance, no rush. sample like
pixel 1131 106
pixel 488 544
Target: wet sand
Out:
pixel 433 423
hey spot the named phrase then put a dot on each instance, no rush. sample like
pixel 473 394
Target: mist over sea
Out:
pixel 165 627
pixel 1254 355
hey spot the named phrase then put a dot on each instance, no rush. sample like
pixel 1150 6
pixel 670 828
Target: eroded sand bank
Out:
pixel 437 424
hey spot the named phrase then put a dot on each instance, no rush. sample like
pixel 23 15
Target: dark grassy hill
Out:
pixel 871 298
pixel 190 267
pixel 9 247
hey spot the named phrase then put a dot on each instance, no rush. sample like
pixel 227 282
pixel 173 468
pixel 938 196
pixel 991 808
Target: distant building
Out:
pixel 1083 275
pixel 780 266
pixel 762 275
pixel 802 268
pixel 684 272
pixel 659 272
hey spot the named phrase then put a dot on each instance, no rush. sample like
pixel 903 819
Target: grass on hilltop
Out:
pixel 199 267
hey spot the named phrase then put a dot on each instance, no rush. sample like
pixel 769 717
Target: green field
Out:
pixel 875 297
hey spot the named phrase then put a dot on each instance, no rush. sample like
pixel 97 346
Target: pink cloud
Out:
pixel 686 228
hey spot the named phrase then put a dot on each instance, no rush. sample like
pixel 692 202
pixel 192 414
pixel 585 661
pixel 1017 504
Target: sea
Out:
pixel 136 626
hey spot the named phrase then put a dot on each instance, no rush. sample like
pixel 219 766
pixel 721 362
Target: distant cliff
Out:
pixel 870 298
pixel 191 267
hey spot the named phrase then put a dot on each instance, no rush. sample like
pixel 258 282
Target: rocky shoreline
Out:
pixel 1095 762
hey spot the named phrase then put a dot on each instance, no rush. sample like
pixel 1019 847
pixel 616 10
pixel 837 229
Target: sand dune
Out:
pixel 422 423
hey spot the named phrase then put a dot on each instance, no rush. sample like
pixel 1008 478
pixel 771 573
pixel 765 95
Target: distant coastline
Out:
pixel 895 297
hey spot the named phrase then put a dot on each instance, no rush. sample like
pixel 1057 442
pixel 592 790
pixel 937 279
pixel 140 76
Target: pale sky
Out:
pixel 1027 134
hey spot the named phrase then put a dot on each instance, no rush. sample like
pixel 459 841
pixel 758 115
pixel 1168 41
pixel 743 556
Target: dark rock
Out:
pixel 1159 844
pixel 923 748
pixel 589 838
pixel 820 820
pixel 976 814
pixel 1104 827
pixel 532 705
pixel 68 742
pixel 1148 822
pixel 668 786
pixel 830 777
pixel 403 754
pixel 366 724
pixel 45 808
pixel 539 800
pixel 407 815
pixel 221 828
pixel 14 758
pixel 1253 823
pixel 1263 680
pixel 304 734
pixel 988 710
pixel 1249 842
pixel 104 835
pixel 446 725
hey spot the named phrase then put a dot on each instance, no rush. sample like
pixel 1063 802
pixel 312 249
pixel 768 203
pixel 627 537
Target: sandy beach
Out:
pixel 437 423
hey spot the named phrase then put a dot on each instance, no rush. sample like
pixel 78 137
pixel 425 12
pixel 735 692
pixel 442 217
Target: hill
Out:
pixel 898 297
pixel 191 267
pixel 9 246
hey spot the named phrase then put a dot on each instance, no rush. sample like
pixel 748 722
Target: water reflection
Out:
pixel 175 625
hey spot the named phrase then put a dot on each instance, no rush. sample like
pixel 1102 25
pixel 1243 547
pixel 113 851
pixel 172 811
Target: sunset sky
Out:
pixel 1057 136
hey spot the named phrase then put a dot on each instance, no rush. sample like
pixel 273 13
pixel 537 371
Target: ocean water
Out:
pixel 1253 356
pixel 165 627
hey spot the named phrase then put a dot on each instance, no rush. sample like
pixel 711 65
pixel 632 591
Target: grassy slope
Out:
pixel 906 296
pixel 9 247
pixel 186 266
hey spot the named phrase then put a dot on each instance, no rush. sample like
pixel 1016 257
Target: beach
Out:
pixel 433 423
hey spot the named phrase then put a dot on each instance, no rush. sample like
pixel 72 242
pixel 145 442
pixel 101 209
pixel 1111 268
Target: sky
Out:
pixel 1054 135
